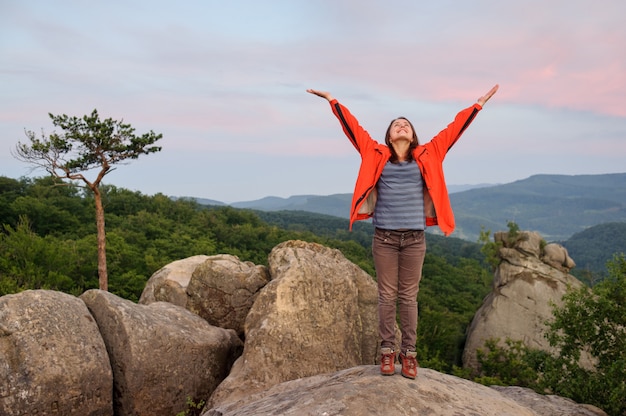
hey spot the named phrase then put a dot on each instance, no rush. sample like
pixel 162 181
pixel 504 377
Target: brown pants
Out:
pixel 398 258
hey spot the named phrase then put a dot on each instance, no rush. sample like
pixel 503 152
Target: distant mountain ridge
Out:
pixel 556 206
pixel 337 205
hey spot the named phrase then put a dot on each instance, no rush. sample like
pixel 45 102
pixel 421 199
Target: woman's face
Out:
pixel 400 129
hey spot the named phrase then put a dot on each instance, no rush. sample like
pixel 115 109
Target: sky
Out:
pixel 225 83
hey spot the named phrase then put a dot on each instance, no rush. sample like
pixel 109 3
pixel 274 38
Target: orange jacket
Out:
pixel 429 158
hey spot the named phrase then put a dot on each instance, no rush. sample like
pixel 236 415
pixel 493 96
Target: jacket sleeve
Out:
pixel 358 136
pixel 447 137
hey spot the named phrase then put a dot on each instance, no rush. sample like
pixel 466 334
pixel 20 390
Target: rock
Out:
pixel 318 314
pixel 556 256
pixel 52 357
pixel 222 290
pixel 160 354
pixel 362 391
pixel 524 289
pixel 169 283
pixel 548 405
pixel 527 242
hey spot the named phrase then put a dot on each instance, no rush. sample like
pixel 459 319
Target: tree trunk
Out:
pixel 103 278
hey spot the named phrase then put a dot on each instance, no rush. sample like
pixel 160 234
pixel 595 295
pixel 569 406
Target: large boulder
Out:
pixel 161 354
pixel 361 391
pixel 317 315
pixel 52 357
pixel 222 290
pixel 524 289
pixel 169 283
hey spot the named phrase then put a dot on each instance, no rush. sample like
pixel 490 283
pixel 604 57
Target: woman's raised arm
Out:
pixel 482 100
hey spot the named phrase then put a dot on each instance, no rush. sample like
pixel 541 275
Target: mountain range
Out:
pixel 556 206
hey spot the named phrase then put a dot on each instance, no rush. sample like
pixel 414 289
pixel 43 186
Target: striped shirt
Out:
pixel 400 203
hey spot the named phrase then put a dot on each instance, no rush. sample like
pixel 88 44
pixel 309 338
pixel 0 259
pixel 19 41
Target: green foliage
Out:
pixel 193 408
pixel 326 226
pixel 87 143
pixel 509 365
pixel 449 296
pixel 29 261
pixel 513 233
pixel 593 321
pixel 489 248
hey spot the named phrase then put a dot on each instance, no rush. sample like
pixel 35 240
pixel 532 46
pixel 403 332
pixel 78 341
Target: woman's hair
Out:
pixel 414 142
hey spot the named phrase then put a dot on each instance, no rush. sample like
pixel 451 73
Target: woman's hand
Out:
pixel 322 94
pixel 482 100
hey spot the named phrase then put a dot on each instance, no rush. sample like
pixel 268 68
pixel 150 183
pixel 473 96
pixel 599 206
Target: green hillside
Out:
pixel 592 248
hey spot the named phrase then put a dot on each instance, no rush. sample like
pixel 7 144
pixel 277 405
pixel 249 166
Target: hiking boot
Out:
pixel 409 364
pixel 387 362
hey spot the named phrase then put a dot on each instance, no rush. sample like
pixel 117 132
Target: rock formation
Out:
pixel 362 391
pixel 223 289
pixel 527 281
pixel 317 315
pixel 220 289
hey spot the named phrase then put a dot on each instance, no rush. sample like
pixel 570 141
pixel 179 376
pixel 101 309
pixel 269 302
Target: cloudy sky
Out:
pixel 225 81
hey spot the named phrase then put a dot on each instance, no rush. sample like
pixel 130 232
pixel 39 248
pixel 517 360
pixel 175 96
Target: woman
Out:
pixel 401 187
